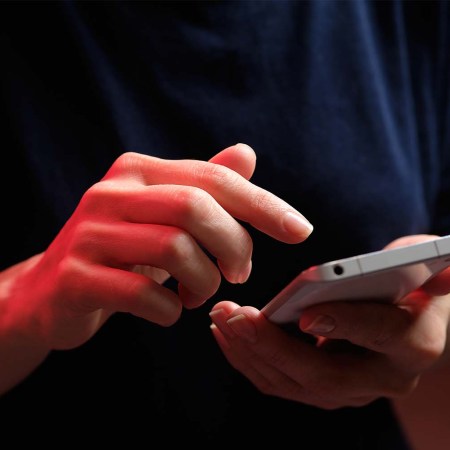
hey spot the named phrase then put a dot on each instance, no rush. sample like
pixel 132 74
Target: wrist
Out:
pixel 21 347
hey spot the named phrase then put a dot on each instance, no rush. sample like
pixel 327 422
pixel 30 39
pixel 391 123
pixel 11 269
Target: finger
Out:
pixel 410 239
pixel 226 305
pixel 124 245
pixel 240 157
pixel 219 315
pixel 195 211
pixel 264 377
pixel 117 290
pixel 267 379
pixel 413 335
pixel 159 275
pixel 233 192
pixel 439 284
pixel 282 367
pixel 268 342
pixel 187 208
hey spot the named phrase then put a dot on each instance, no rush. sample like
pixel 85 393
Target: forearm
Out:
pixel 20 353
pixel 19 357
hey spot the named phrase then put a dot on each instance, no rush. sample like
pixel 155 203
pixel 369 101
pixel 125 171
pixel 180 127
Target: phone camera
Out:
pixel 338 270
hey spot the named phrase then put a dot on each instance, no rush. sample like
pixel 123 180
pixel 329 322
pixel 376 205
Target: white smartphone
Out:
pixel 385 275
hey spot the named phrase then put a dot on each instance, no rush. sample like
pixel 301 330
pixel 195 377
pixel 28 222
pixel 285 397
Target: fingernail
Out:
pixel 321 324
pixel 295 223
pixel 218 316
pixel 243 327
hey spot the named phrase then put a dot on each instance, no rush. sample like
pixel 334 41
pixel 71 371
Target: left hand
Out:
pixel 364 350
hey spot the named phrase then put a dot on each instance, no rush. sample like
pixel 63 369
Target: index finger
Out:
pixel 238 196
pixel 296 358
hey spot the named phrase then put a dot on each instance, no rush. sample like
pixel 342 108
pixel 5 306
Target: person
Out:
pixel 140 242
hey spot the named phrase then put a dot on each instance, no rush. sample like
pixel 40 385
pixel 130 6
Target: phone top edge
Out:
pixel 443 245
pixel 380 260
pixel 364 276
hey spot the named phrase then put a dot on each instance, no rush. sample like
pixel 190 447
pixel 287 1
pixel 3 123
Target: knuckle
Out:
pixel 177 246
pixel 85 237
pixel 99 197
pixel 430 345
pixel 385 332
pixel 166 306
pixel 70 274
pixel 95 192
pixel 278 359
pixel 195 204
pixel 262 201
pixel 217 175
pixel 126 162
pixel 382 339
pixel 403 387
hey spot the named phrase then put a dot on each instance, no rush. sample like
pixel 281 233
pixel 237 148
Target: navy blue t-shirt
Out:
pixel 346 104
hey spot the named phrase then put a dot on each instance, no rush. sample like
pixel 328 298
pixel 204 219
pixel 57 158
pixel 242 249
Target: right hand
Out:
pixel 146 220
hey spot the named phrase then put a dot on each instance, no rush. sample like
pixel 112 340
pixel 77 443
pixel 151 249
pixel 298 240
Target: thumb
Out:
pixel 438 284
pixel 240 157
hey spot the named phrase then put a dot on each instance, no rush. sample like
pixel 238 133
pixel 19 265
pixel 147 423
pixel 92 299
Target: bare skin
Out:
pixel 143 221
pixel 146 220
pixel 364 350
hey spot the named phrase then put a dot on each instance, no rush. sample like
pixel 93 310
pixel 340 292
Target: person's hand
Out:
pixel 362 351
pixel 146 220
